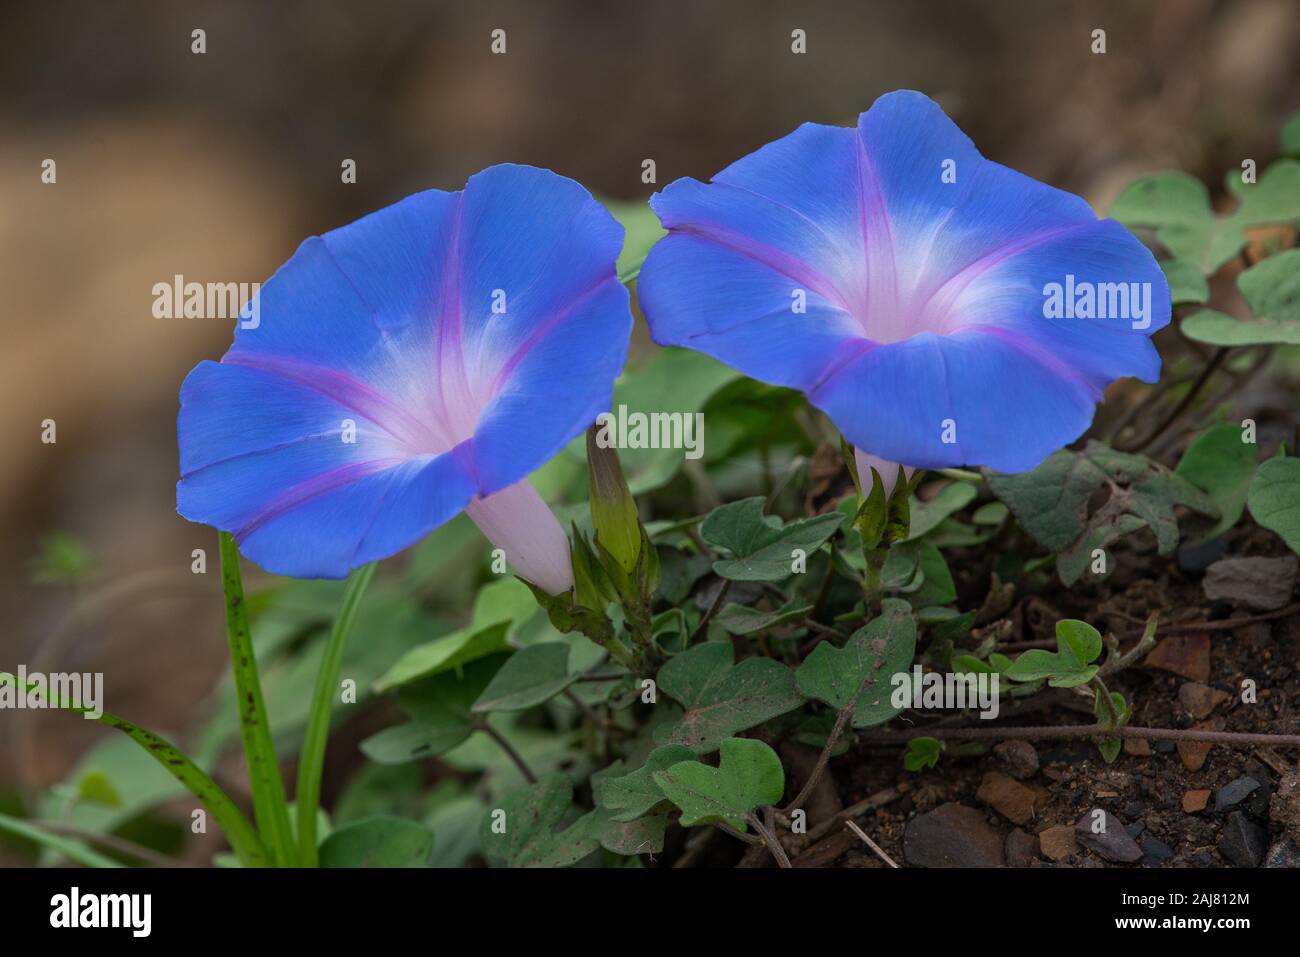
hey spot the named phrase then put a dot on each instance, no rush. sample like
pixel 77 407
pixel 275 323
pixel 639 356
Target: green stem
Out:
pixel 270 808
pixel 311 763
pixel 73 850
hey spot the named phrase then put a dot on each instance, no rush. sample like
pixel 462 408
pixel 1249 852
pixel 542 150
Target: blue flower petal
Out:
pixel 924 265
pixel 999 401
pixel 432 352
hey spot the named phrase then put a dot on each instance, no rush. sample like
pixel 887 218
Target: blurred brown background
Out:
pixel 215 166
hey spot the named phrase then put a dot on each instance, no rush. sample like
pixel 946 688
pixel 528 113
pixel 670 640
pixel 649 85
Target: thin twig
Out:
pixel 1227 738
pixel 703 627
pixel 1185 403
pixel 510 751
pixel 869 803
pixel 738 835
pixel 773 845
pixel 841 719
pixel 870 843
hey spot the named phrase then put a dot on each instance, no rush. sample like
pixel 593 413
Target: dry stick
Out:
pixel 696 845
pixel 869 803
pixel 1176 413
pixel 738 835
pixel 510 751
pixel 1229 738
pixel 870 843
pixel 1226 624
pixel 769 839
pixel 703 627
pixel 824 758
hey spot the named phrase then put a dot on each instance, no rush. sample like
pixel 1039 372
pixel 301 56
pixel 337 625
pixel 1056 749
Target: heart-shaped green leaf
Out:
pixel 1274 498
pixel 748 776
pixel 722 698
pixel 864 670
pixel 1221 465
pixel 762 548
pixel 631 795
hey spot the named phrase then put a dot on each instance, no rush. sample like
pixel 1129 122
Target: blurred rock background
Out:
pixel 215 166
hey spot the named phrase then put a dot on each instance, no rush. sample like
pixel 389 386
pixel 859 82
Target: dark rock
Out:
pixel 1283 854
pixel 952 835
pixel 1202 858
pixel 1233 793
pixel 1262 584
pixel 1135 829
pixel 1155 852
pixel 1243 842
pixel 1021 848
pixel 1105 834
pixel 1164 747
pixel 1018 758
pixel 1197 558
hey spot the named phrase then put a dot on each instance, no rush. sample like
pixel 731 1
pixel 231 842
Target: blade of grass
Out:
pixel 311 763
pixel 270 807
pixel 239 832
pixel 56 842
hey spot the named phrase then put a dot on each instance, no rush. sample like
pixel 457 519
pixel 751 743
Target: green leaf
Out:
pixel 1291 136
pixel 762 547
pixel 529 677
pixel 1178 207
pixel 642 835
pixel 96 787
pixel 521 831
pixel 500 610
pixel 439 709
pixel 1078 641
pixel 863 670
pixel 1186 284
pixel 922 753
pixel 641 230
pixel 748 776
pixel 672 380
pixel 1274 499
pixel 742 620
pixel 631 795
pixel 379 841
pixel 1078 644
pixel 1220 464
pixel 1272 290
pixel 1051 503
pixel 311 760
pixel 927 515
pixel 722 698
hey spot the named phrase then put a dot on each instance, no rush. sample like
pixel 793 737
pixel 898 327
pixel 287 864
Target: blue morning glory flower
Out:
pixel 418 362
pixel 942 309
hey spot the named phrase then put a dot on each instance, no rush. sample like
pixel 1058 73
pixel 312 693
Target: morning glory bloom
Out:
pixel 942 309
pixel 418 362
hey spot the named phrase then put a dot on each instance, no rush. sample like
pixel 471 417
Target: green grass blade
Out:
pixel 311 763
pixel 269 805
pixel 73 850
pixel 239 832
